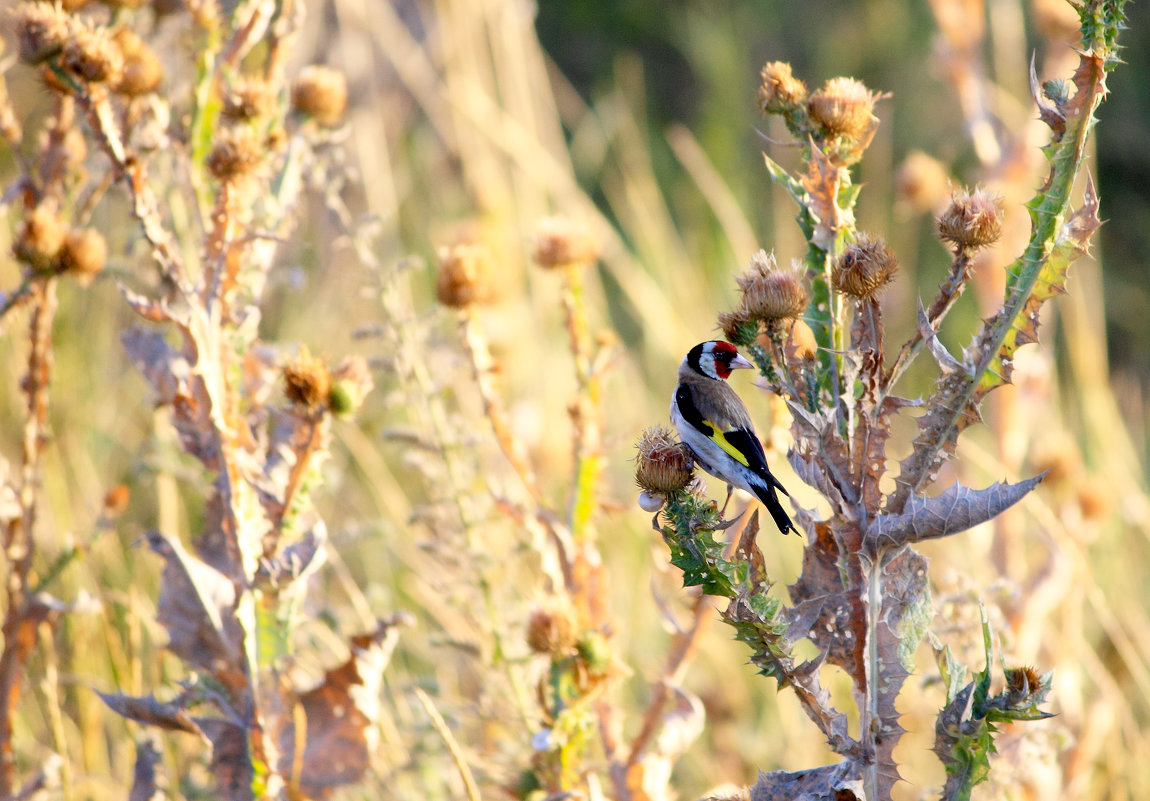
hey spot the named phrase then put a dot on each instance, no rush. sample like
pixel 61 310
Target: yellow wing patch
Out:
pixel 720 438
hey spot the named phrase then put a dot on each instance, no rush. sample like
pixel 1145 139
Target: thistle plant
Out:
pixel 863 595
pixel 256 417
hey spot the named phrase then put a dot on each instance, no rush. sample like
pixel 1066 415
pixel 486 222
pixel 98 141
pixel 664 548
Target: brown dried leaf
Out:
pixel 821 596
pixel 340 715
pixel 196 606
pixel 176 384
pixel 822 182
pixel 840 782
pixel 148 710
pixel 955 510
pixel 1047 111
pixel 681 725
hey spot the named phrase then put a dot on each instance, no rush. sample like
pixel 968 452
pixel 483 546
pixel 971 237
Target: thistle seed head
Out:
pixel 307 381
pixel 864 267
pixel 921 181
pixel 770 293
pixel 780 90
pixel 84 254
pixel 464 275
pixel 237 153
pixel 41 31
pixel 143 69
pixel 320 93
pixel 844 107
pixel 973 220
pixel 560 242
pixel 663 464
pixel 40 238
pixel 92 55
pixel 551 630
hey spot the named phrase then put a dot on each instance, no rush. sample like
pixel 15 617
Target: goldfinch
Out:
pixel 714 424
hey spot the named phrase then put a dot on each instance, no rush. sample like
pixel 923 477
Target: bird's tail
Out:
pixel 770 499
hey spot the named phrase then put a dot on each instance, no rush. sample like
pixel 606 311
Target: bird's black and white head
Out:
pixel 714 360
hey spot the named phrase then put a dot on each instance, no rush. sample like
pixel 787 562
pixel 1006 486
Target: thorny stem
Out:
pixel 18 543
pixel 948 293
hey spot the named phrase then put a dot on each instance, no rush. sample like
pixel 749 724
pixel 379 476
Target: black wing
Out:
pixel 748 444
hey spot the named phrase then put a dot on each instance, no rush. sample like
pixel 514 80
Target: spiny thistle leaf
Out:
pixel 340 715
pixel 839 782
pixel 822 595
pixel 956 510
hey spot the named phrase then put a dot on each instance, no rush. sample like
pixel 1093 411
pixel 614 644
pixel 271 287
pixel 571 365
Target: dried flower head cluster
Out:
pixel 560 242
pixel 843 108
pixel 320 93
pixel 88 53
pixel 770 295
pixel 46 245
pixel 464 275
pixel 663 464
pixel 780 91
pixel 864 267
pixel 973 220
pixel 236 154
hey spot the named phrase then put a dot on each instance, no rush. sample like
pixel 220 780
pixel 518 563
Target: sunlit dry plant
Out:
pixel 231 601
pixel 863 596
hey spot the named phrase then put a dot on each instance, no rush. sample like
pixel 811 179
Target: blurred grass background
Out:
pixel 476 119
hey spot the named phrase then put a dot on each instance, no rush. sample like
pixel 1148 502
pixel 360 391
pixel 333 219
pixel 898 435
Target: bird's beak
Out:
pixel 739 362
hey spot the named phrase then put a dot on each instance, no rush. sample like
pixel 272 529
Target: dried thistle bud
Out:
pixel 307 381
pixel 92 55
pixel 248 99
pixel 351 382
pixel 921 181
pixel 780 90
pixel 237 153
pixel 143 69
pixel 40 238
pixel 802 343
pixel 973 220
pixel 663 464
pixel 41 31
pixel 738 326
pixel 551 630
pixel 84 254
pixel 464 275
pixel 321 93
pixel 843 107
pixel 771 294
pixel 1021 683
pixel 864 267
pixel 560 242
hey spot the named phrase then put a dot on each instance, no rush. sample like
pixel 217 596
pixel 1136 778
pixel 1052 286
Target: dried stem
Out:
pixel 22 615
